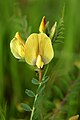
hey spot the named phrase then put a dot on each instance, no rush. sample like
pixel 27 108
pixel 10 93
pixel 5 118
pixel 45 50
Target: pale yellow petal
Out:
pixel 17 47
pixel 45 48
pixel 31 49
pixel 38 44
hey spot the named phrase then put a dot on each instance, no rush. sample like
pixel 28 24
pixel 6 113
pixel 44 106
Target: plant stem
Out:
pixel 36 96
pixel 33 109
pixel 40 75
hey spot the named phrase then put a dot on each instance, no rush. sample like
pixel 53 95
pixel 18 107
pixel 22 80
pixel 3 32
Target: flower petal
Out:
pixel 45 48
pixel 17 47
pixel 31 49
pixel 39 62
pixel 38 44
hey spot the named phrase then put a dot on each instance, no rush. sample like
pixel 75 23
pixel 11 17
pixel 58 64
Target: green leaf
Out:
pixel 58 41
pixel 59 38
pixel 59 35
pixel 30 93
pixel 45 79
pixel 35 81
pixel 40 89
pixel 26 107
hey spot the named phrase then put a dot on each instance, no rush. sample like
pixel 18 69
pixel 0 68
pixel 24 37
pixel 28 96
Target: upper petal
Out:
pixel 31 49
pixel 45 48
pixel 17 47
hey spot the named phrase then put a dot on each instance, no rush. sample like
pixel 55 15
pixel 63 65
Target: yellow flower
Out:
pixel 37 49
pixel 74 117
pixel 17 47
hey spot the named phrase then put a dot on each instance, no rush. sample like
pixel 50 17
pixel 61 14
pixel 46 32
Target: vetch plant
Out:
pixel 36 51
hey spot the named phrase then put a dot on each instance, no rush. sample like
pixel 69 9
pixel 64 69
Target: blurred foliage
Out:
pixel 61 97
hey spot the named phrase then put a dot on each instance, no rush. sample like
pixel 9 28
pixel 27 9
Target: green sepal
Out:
pixel 26 107
pixel 30 93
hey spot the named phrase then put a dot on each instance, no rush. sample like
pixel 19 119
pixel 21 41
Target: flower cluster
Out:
pixel 37 50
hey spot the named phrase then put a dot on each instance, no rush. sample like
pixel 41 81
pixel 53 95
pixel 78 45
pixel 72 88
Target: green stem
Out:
pixel 33 109
pixel 40 75
pixel 36 96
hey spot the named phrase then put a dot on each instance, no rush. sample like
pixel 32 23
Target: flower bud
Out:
pixel 53 29
pixel 42 25
pixel 17 47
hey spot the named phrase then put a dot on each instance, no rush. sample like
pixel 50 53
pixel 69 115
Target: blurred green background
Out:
pixel 63 87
